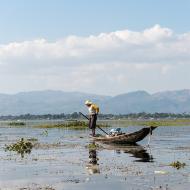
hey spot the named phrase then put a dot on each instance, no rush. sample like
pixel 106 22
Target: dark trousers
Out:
pixel 92 123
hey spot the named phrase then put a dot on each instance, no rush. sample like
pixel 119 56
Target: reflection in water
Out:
pixel 142 154
pixel 93 167
pixel 137 151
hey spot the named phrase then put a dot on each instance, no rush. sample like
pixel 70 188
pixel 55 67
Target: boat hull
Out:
pixel 130 138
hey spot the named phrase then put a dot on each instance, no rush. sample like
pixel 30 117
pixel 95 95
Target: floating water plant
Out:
pixel 16 123
pixel 21 147
pixel 45 133
pixel 32 139
pixel 178 165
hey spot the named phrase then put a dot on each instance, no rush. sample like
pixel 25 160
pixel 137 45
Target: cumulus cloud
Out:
pixel 108 63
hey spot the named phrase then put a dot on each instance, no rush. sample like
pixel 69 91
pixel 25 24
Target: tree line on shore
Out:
pixel 77 115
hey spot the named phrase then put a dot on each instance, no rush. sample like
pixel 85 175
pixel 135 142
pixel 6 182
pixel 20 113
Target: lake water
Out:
pixel 63 160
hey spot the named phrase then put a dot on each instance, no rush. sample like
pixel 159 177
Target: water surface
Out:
pixel 63 160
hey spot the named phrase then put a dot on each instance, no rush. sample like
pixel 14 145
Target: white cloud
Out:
pixel 109 63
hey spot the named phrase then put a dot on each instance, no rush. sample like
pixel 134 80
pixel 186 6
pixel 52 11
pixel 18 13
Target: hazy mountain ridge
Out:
pixel 43 102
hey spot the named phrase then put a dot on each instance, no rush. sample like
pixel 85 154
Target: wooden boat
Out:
pixel 125 138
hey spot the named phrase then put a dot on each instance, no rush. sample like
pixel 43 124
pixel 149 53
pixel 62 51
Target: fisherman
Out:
pixel 93 112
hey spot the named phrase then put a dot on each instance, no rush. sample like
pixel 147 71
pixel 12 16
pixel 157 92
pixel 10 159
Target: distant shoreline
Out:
pixel 77 115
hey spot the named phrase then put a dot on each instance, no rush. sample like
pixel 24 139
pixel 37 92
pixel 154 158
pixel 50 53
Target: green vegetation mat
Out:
pixel 69 125
pixel 172 122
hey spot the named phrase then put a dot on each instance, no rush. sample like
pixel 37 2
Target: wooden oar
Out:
pixel 97 126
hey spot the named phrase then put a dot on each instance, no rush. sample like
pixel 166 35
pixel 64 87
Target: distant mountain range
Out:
pixel 55 102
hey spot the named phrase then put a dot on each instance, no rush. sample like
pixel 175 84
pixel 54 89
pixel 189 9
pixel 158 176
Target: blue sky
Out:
pixel 101 46
pixel 55 19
